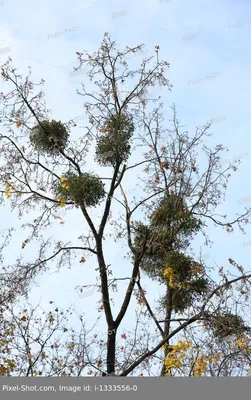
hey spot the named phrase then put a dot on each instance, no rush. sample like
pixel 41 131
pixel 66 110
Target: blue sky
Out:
pixel 207 44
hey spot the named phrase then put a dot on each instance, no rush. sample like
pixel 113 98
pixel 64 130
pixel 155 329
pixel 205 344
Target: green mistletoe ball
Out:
pixel 49 137
pixel 227 324
pixel 86 189
pixel 113 145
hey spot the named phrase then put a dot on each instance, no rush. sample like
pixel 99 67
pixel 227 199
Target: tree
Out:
pixel 12 284
pixel 42 167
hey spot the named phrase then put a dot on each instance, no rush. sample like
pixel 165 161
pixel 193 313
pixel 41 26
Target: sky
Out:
pixel 207 45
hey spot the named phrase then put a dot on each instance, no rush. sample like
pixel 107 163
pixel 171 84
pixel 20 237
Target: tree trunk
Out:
pixel 111 350
pixel 167 324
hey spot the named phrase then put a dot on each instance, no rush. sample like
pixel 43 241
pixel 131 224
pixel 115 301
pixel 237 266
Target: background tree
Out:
pixel 43 170
pixel 42 343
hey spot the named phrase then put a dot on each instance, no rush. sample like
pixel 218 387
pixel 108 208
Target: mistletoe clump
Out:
pixel 185 279
pixel 86 189
pixel 169 231
pixel 227 324
pixel 113 145
pixel 184 296
pixel 172 212
pixel 155 245
pixel 162 244
pixel 49 137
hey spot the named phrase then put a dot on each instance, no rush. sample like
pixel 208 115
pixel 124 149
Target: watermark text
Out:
pixel 54 35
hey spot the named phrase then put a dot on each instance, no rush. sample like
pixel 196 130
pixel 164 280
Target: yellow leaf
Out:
pixel 82 260
pixel 7 190
pixel 65 183
pixel 61 223
pixel 61 201
pixel 18 124
pixel 169 274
